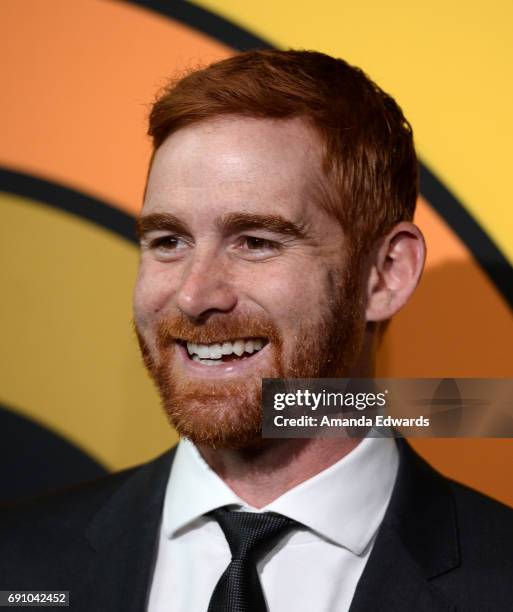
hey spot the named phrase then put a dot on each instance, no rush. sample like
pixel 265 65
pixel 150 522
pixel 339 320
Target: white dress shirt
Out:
pixel 315 567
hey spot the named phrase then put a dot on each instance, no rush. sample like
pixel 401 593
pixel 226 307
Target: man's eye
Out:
pixel 169 243
pixel 252 243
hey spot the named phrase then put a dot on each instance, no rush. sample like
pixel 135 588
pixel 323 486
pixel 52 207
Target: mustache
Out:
pixel 217 328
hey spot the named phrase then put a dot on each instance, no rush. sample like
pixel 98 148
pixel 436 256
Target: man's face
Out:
pixel 242 275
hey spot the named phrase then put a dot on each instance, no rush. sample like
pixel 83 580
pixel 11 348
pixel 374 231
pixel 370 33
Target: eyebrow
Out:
pixel 239 222
pixel 229 223
pixel 159 221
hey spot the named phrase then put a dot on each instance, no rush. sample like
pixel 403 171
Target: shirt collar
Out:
pixel 344 503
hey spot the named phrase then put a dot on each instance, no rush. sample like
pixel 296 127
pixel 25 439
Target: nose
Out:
pixel 205 288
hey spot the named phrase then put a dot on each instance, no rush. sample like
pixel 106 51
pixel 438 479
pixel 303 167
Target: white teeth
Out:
pixel 215 351
pixel 238 347
pixel 203 351
pixel 210 362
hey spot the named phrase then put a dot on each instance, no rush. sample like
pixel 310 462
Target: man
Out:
pixel 276 241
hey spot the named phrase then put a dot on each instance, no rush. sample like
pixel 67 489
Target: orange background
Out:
pixel 77 84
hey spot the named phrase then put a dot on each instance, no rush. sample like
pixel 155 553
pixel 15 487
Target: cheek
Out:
pixel 151 294
pixel 291 297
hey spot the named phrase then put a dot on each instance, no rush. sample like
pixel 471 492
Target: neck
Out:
pixel 260 475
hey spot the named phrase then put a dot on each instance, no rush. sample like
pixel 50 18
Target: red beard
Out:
pixel 228 413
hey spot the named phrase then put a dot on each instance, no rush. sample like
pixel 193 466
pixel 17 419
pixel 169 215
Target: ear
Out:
pixel 395 271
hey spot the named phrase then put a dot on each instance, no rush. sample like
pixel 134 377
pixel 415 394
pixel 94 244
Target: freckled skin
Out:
pixel 306 291
pixel 232 165
pixel 197 276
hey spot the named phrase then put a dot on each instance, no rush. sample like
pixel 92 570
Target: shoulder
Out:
pixel 439 518
pixel 79 503
pixel 485 526
pixel 428 498
pixel 65 526
pixel 454 543
pixel 67 507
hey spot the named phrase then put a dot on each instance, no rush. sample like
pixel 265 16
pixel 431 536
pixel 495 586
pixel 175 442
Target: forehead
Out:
pixel 257 165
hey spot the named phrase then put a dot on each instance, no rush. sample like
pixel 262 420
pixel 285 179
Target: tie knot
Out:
pixel 250 532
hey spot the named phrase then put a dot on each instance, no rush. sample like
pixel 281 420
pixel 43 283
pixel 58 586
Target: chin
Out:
pixel 217 422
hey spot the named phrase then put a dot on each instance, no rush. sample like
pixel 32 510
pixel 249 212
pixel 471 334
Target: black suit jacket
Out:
pixel 441 546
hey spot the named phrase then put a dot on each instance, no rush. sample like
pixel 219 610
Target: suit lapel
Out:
pixel 392 582
pixel 124 533
pixel 417 542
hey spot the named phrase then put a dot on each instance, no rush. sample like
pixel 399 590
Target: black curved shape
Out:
pixel 213 25
pixel 70 200
pixel 36 460
pixel 483 249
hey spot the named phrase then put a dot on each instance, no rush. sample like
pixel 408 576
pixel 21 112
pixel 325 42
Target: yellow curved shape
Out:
pixel 78 79
pixel 70 359
pixel 447 63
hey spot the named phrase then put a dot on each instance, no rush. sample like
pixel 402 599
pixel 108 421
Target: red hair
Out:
pixel 369 160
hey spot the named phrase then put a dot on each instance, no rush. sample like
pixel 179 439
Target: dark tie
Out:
pixel 249 535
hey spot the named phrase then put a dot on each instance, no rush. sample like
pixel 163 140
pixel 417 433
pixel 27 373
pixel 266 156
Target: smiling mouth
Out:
pixel 222 352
